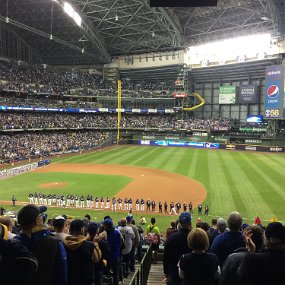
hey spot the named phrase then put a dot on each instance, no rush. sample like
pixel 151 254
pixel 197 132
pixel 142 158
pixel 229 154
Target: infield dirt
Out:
pixel 146 183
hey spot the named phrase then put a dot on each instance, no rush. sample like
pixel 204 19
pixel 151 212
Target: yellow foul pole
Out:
pixel 119 109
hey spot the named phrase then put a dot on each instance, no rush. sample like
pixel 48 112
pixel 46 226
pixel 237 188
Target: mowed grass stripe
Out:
pixel 274 170
pixel 245 181
pixel 109 156
pixel 266 175
pixel 183 167
pixel 278 158
pixel 193 165
pixel 89 157
pixel 264 186
pixel 232 189
pixel 278 164
pixel 219 195
pixel 133 154
pixel 173 159
pixel 202 170
pixel 146 158
pixel 158 158
pixel 165 154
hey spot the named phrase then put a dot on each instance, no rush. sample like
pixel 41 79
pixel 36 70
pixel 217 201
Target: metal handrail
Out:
pixel 135 280
pixel 145 266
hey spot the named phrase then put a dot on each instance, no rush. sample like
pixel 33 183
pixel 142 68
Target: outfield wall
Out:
pixel 208 145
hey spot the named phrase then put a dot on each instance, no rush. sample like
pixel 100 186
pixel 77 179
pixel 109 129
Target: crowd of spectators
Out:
pixel 226 253
pixel 48 120
pixel 148 85
pixel 19 146
pixel 44 81
pixel 65 250
pixel 229 252
pixel 32 79
pixel 45 101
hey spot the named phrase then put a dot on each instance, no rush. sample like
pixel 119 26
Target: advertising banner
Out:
pixel 179 95
pixel 274 92
pixel 227 95
pixel 247 94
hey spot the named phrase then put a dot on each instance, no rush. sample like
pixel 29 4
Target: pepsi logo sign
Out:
pixel 273 91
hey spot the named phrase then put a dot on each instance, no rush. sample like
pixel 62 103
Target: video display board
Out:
pixel 274 94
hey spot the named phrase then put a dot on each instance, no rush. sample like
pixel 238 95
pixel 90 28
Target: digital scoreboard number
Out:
pixel 274 113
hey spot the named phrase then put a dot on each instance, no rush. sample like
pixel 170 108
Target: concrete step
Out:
pixel 156 275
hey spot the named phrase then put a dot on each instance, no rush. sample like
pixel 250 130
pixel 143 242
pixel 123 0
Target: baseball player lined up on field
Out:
pixel 79 202
pixel 114 207
pixel 120 204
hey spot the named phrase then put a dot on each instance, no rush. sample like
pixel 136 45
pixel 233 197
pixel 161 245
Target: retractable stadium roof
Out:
pixel 123 27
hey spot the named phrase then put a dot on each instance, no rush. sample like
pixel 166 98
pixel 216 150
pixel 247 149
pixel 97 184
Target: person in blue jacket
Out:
pixel 49 251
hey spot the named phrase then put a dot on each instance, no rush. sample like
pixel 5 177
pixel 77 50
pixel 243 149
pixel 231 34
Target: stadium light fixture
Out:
pixel 265 19
pixel 77 19
pixel 69 10
pixel 230 49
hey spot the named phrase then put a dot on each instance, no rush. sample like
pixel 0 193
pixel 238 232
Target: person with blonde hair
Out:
pixel 198 266
pixel 9 223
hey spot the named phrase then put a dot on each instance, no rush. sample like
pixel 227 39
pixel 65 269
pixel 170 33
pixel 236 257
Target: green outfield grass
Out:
pixel 83 184
pixel 249 182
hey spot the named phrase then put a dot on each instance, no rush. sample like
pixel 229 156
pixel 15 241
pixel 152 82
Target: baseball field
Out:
pixel 249 182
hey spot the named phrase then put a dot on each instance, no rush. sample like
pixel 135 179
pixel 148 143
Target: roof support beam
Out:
pixel 93 36
pixel 40 33
pixel 172 24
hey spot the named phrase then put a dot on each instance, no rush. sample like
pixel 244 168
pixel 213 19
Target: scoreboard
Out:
pixel 274 92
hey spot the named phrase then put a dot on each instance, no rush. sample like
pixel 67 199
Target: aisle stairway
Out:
pixel 156 275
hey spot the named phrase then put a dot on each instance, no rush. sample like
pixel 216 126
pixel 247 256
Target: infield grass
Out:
pixel 249 182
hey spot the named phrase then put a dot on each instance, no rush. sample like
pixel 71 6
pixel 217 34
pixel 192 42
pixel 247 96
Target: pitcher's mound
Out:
pixel 53 185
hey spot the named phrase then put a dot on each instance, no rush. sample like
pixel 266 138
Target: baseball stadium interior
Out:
pixel 85 76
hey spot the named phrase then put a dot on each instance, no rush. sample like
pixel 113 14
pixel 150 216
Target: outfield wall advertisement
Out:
pixel 274 96
pixel 207 145
pixel 227 95
pixel 179 143
pixel 247 94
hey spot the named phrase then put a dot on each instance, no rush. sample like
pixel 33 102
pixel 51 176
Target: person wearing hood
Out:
pixel 48 250
pixel 81 255
pixel 99 267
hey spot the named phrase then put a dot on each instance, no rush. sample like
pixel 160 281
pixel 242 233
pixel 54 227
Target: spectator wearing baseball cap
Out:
pixel 266 267
pixel 114 241
pixel 154 233
pixel 59 227
pixel 48 250
pixel 175 246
